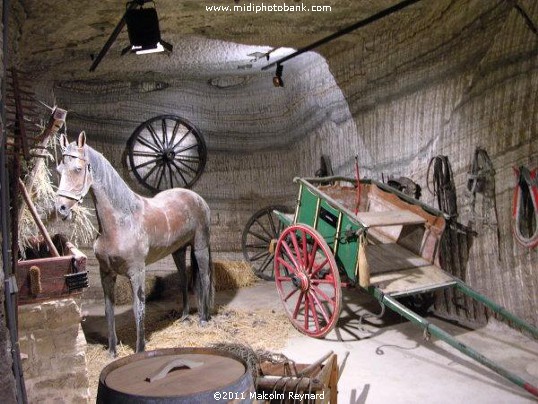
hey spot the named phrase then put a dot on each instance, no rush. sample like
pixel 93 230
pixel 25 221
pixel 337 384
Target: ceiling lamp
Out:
pixel 277 80
pixel 144 33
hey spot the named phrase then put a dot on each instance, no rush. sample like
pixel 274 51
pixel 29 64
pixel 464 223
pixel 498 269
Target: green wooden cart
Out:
pixel 374 237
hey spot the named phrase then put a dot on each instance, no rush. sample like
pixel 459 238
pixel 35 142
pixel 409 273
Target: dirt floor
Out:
pixel 383 359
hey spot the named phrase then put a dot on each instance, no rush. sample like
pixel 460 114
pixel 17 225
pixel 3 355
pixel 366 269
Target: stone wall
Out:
pixel 51 337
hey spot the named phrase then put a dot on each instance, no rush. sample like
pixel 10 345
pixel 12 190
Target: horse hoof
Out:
pixel 112 354
pixel 183 318
pixel 204 323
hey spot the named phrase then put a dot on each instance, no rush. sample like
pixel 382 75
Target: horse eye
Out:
pixel 78 169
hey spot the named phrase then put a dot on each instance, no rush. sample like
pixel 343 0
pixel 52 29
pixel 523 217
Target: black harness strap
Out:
pixel 443 185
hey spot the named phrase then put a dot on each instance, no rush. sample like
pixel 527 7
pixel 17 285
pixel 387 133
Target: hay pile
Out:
pixel 262 329
pixel 232 275
pixel 80 230
pixel 228 275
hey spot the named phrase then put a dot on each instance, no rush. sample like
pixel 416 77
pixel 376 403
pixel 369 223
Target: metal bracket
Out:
pixel 11 285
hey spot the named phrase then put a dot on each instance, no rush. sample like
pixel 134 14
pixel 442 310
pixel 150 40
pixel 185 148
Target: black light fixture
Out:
pixel 144 32
pixel 143 27
pixel 277 80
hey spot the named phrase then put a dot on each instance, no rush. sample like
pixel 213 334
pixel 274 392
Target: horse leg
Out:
pixel 179 259
pixel 108 281
pixel 137 279
pixel 204 283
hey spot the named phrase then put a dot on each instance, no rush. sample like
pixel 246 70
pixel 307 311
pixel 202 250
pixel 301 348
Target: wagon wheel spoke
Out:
pixel 271 235
pixel 180 172
pixel 298 254
pixel 170 175
pixel 182 139
pixel 316 268
pixel 153 161
pixel 149 145
pixel 154 136
pixel 290 255
pixel 323 295
pixel 291 269
pixel 313 301
pixel 166 141
pixel 180 160
pixel 260 236
pixel 290 294
pixel 140 153
pixel 298 305
pixel 256 246
pixel 164 132
pixel 265 264
pixel 184 149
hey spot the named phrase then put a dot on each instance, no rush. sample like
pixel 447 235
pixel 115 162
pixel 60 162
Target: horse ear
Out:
pixel 63 141
pixel 82 139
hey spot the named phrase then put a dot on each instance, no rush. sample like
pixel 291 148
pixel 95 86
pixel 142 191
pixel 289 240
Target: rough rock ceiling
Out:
pixel 58 37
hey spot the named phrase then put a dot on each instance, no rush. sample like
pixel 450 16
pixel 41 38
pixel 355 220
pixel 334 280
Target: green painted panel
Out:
pixel 307 207
pixel 327 222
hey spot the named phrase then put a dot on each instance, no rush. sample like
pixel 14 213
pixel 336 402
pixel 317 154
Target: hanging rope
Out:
pixel 525 207
pixel 357 178
pixel 443 185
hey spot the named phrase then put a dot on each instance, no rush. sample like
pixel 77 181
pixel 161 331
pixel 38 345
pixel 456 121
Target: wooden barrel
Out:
pixel 177 375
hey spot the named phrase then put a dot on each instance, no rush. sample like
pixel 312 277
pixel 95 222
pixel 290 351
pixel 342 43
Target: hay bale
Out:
pixel 231 275
pixel 124 293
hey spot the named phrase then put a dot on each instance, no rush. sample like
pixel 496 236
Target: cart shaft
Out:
pixel 432 329
pixel 497 308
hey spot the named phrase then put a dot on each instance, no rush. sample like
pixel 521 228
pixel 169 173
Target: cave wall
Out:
pixel 440 77
pixel 258 137
pixel 462 75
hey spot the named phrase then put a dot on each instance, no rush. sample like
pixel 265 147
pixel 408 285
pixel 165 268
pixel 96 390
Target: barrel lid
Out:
pixel 194 373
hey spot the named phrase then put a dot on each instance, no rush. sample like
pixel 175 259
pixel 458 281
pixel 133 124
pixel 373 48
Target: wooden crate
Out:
pixel 51 278
pixel 289 382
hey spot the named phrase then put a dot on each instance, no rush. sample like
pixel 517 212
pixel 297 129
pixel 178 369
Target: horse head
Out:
pixel 75 175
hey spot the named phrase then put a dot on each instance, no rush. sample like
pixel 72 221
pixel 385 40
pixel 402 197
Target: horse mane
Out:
pixel 107 178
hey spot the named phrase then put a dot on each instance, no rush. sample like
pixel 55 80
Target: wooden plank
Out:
pixel 391 257
pixel 389 218
pixel 413 280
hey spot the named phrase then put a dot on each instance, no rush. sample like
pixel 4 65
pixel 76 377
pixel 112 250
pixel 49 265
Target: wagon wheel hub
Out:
pixel 169 155
pixel 301 281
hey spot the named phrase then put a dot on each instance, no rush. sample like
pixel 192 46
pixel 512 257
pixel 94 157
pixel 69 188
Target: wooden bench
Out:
pixel 389 218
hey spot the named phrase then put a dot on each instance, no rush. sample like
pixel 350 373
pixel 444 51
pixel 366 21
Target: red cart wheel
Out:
pixel 307 280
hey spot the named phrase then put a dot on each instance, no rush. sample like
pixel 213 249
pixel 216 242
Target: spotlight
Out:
pixel 143 27
pixel 277 80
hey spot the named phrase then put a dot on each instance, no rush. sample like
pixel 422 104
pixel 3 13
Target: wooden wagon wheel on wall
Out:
pixel 166 152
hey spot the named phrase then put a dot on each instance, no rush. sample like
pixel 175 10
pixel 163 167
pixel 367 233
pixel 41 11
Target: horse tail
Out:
pixel 196 280
pixel 211 282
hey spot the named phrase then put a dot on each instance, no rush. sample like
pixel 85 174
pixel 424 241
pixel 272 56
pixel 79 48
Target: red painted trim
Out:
pixel 516 201
pixel 531 389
